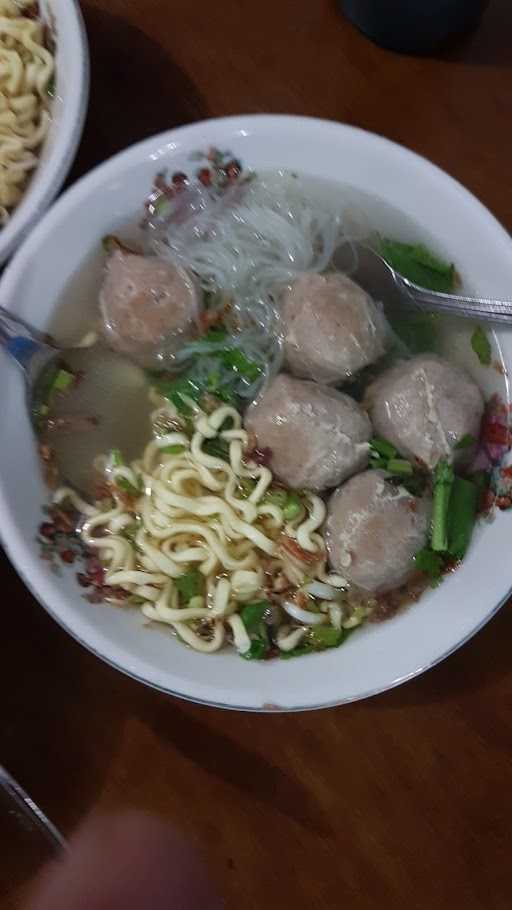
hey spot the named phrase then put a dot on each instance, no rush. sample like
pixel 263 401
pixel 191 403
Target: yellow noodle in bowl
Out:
pixel 180 509
pixel 26 72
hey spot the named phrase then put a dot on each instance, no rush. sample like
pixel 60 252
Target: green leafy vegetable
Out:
pixel 216 333
pixel 252 615
pixel 223 372
pixel 252 618
pixel 189 585
pixel 466 441
pixel 430 563
pixel 319 638
pixel 327 637
pixel 419 265
pixel 217 448
pixel 299 651
pixel 257 651
pixel 236 360
pixel 462 516
pixel 443 483
pixel 481 345
pixel 178 390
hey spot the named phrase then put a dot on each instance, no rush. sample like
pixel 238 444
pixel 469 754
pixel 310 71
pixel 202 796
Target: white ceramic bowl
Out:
pixel 68 113
pixel 376 657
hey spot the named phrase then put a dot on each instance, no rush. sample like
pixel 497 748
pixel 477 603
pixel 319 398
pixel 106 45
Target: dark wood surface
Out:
pixel 403 801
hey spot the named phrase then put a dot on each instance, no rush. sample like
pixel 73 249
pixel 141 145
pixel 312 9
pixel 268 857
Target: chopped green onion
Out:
pixel 462 516
pixel 275 496
pixel 292 507
pixel 62 381
pixel 189 585
pixel 246 486
pixel 481 345
pixel 130 531
pixel 383 447
pixel 252 614
pixel 465 442
pixel 173 450
pixel 443 483
pixel 117 458
pixel 379 463
pixel 124 484
pixel 481 479
pixel 400 466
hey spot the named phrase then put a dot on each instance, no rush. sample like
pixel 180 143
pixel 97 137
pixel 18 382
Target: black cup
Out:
pixel 413 26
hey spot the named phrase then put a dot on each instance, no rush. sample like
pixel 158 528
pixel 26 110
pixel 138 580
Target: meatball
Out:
pixel 318 436
pixel 372 531
pixel 425 406
pixel 332 328
pixel 146 304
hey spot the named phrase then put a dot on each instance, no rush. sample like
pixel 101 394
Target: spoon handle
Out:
pixel 484 308
pixel 31 812
pixel 20 342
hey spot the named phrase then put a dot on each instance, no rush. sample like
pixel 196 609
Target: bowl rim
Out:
pixel 74 194
pixel 36 199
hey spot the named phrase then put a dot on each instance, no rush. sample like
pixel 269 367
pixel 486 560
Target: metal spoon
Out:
pixel 383 283
pixel 106 407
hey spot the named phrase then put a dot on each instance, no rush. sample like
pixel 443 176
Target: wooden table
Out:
pixel 403 801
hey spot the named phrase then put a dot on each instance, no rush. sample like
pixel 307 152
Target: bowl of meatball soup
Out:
pixel 318 510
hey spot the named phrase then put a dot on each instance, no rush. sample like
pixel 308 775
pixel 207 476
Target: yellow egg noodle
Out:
pixel 26 68
pixel 194 512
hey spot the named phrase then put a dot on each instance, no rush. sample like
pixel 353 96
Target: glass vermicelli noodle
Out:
pixel 26 71
pixel 193 510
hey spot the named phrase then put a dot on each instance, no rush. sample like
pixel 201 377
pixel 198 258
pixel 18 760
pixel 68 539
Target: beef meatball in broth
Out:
pixel 425 406
pixel 318 436
pixel 332 328
pixel 147 305
pixel 372 531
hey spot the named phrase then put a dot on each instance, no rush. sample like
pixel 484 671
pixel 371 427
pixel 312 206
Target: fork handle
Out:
pixel 483 308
